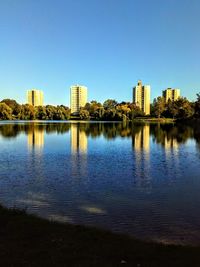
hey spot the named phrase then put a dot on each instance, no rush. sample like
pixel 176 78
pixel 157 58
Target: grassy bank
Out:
pixel 152 119
pixel 26 240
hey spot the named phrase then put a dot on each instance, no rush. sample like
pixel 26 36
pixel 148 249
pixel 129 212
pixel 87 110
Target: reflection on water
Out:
pixel 142 179
pixel 141 144
pixel 36 139
pixel 141 139
pixel 78 139
pixel 78 151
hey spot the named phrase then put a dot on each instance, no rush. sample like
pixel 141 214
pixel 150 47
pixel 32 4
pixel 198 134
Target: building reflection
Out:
pixel 141 148
pixel 141 139
pixel 172 163
pixel 169 139
pixel 78 140
pixel 79 145
pixel 170 143
pixel 36 139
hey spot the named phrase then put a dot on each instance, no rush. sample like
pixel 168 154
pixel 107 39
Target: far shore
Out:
pixel 139 119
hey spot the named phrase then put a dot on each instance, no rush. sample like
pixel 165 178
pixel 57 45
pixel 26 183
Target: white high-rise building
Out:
pixel 78 98
pixel 35 97
pixel 141 97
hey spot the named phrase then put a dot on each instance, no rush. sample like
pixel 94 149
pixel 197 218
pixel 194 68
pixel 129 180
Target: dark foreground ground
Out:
pixel 30 241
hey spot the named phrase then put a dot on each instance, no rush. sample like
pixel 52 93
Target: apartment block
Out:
pixel 35 97
pixel 172 94
pixel 141 97
pixel 78 98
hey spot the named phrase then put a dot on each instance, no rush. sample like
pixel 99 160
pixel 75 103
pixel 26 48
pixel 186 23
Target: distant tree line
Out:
pixel 11 110
pixel 110 110
pixel 182 108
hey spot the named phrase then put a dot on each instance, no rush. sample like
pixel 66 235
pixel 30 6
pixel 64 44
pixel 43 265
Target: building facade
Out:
pixel 35 97
pixel 78 98
pixel 172 94
pixel 141 97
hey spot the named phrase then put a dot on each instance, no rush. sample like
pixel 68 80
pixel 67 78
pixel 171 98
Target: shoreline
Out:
pixel 27 240
pixel 167 120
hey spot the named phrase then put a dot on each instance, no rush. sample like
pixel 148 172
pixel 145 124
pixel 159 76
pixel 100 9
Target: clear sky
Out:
pixel 106 45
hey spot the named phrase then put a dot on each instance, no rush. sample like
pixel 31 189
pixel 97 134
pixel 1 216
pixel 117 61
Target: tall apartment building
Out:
pixel 35 97
pixel 78 98
pixel 141 97
pixel 172 94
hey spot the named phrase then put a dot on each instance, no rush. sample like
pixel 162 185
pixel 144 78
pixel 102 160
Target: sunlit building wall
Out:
pixel 172 94
pixel 78 98
pixel 35 97
pixel 141 97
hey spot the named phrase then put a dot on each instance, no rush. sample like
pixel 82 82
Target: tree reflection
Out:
pixel 167 135
pixel 170 135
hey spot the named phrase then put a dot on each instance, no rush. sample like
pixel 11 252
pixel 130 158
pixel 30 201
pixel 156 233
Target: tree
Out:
pixel 93 108
pixel 15 107
pixel 110 104
pixel 136 111
pixel 184 107
pixel 5 112
pixel 171 109
pixel 27 112
pixel 66 112
pixel 159 106
pixel 84 114
pixel 40 113
pixel 197 106
pixel 50 110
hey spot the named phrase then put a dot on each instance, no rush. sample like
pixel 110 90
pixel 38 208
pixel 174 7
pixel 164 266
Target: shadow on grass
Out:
pixel 26 240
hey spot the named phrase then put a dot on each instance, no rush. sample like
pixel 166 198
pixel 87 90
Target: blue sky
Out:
pixel 106 45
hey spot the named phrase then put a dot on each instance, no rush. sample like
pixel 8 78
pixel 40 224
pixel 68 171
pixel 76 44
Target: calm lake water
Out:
pixel 140 179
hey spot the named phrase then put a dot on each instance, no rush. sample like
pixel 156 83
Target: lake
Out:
pixel 141 179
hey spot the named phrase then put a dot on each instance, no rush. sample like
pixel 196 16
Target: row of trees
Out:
pixel 110 110
pixel 179 109
pixel 11 110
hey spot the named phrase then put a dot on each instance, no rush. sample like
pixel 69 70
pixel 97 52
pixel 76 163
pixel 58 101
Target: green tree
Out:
pixel 15 107
pixel 5 112
pixel 84 114
pixel 40 113
pixel 50 110
pixel 184 107
pixel 109 104
pixel 197 106
pixel 27 112
pixel 93 108
pixel 159 106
